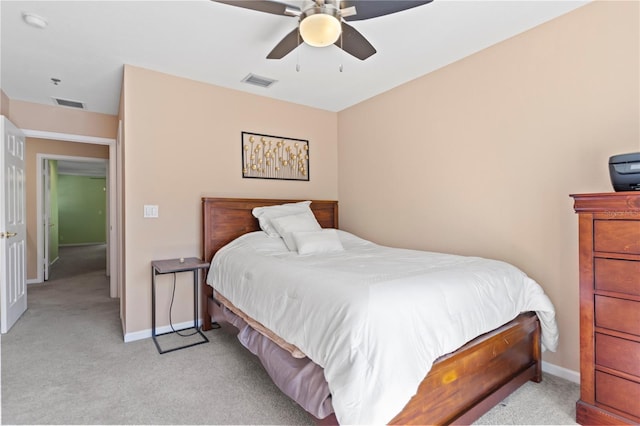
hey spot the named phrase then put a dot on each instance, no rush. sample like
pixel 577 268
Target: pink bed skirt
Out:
pixel 299 378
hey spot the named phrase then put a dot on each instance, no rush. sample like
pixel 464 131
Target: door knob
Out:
pixel 7 234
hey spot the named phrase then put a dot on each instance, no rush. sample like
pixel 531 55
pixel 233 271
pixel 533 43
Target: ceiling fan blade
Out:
pixel 259 5
pixel 354 43
pixel 286 45
pixel 367 9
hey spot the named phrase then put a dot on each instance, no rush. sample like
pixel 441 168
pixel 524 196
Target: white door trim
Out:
pixel 46 217
pixel 68 137
pixel 113 271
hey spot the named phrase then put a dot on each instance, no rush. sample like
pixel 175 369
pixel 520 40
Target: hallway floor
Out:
pixel 78 260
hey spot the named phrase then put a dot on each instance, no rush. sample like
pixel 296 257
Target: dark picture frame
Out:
pixel 274 157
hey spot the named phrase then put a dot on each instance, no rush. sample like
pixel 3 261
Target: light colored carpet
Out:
pixel 65 362
pixel 551 402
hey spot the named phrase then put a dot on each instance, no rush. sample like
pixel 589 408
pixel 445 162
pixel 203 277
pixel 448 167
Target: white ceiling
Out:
pixel 86 44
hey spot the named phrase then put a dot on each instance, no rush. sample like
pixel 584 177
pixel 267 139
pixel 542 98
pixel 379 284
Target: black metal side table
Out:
pixel 170 266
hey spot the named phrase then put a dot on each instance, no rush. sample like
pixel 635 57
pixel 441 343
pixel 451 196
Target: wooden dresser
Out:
pixel 609 227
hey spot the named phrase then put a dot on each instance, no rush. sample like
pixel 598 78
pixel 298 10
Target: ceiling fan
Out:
pixel 322 22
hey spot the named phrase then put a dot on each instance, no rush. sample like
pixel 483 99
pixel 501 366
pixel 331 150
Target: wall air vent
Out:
pixel 68 103
pixel 256 80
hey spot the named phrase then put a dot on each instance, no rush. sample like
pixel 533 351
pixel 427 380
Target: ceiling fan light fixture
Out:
pixel 320 28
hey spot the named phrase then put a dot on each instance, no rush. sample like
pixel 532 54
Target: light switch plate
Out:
pixel 150 210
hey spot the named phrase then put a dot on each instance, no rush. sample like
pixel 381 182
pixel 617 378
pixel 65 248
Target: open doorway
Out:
pixel 74 211
pixel 111 209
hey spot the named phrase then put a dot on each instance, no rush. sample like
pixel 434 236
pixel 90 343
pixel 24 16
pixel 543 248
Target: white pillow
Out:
pixel 312 242
pixel 287 225
pixel 266 213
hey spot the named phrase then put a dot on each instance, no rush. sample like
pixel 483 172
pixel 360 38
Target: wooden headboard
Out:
pixel 225 219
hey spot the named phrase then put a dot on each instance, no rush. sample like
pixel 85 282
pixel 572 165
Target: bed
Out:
pixel 458 386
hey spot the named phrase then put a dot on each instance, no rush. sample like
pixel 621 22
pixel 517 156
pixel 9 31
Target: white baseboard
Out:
pixel 97 243
pixel 38 281
pixel 564 373
pixel 145 334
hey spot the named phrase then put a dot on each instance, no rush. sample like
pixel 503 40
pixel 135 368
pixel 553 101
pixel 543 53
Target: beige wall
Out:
pixel 4 104
pixel 36 146
pixel 479 158
pixel 182 142
pixel 51 118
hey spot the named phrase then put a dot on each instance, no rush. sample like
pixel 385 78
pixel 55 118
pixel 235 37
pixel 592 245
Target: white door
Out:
pixel 13 227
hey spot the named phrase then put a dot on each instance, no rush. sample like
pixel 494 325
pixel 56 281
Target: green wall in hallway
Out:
pixel 82 203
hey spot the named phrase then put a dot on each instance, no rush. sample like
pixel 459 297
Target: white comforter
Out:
pixel 375 318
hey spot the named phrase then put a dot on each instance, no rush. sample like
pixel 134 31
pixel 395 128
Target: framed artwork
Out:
pixel 274 157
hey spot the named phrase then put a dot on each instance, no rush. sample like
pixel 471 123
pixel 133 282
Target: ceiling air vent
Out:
pixel 256 80
pixel 68 103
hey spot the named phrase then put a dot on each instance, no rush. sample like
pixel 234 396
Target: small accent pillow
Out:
pixel 313 242
pixel 266 213
pixel 287 225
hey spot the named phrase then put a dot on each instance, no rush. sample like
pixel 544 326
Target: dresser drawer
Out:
pixel 622 276
pixel 618 314
pixel 620 354
pixel 617 236
pixel 618 393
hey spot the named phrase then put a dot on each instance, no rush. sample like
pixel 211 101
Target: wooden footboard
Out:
pixel 464 385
